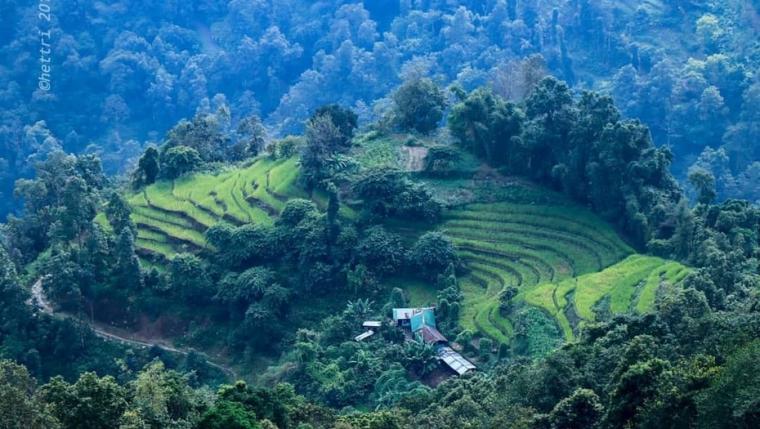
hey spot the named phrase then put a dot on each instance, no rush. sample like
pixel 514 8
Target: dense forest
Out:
pixel 684 68
pixel 217 213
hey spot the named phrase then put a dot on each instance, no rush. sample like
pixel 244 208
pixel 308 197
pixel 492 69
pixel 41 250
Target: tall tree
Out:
pixel 127 270
pixel 148 168
pixel 419 105
pixel 323 138
pixel 118 212
pixel 343 118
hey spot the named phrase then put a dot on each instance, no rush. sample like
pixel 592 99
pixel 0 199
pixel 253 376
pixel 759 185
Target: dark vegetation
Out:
pixel 119 83
pixel 268 253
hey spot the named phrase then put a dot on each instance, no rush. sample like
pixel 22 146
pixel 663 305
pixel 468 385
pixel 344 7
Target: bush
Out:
pixel 441 161
pixel 295 211
pixel 286 148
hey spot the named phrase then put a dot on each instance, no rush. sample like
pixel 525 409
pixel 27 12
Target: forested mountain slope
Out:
pixel 123 74
pixel 523 214
pixel 561 256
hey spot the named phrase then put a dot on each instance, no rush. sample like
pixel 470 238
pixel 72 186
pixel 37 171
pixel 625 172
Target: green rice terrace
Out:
pixel 172 216
pixel 563 260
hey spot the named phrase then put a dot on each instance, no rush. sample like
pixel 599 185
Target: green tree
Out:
pixel 253 284
pixel 252 138
pixel 323 138
pixel 67 278
pixel 419 105
pixel 164 398
pixel 132 420
pixel 188 277
pixel 382 251
pixel 582 409
pixel 635 386
pixel 704 182
pixel 344 119
pixel 117 212
pixel 228 415
pixel 295 211
pixel 203 134
pixel 397 298
pixel 387 194
pixel 148 168
pixel 733 398
pixel 488 126
pixel 485 347
pixel 506 297
pixel 179 160
pixel 361 280
pixel 433 253
pixel 90 403
pixel 441 161
pixel 20 406
pixel 127 269
pixel 420 357
pixel 333 207
pixel 78 208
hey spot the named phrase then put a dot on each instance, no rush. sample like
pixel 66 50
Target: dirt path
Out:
pixel 415 157
pixel 40 300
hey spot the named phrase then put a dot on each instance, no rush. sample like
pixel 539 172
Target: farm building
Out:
pixel 371 326
pixel 403 316
pixel 454 360
pixel 364 335
pixel 423 327
pixel 421 322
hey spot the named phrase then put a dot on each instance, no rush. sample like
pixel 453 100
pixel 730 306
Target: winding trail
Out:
pixel 40 301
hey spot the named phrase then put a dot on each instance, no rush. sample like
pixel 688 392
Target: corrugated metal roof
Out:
pixel 431 335
pixel 454 360
pixel 364 335
pixel 372 324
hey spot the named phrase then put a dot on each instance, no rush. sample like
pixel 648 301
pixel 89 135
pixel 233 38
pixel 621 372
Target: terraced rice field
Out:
pixel 172 216
pixel 524 245
pixel 626 287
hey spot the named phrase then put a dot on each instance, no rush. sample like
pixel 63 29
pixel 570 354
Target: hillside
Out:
pixel 467 260
pixel 172 216
pixel 562 259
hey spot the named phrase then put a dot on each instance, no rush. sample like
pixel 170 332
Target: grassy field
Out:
pixel 172 216
pixel 525 244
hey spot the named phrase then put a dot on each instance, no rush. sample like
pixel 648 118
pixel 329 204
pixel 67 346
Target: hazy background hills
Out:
pixel 125 72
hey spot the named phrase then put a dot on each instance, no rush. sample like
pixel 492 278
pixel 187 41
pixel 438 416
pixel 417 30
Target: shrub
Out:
pixel 295 211
pixel 441 161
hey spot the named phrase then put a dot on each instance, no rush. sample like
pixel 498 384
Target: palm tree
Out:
pixel 359 309
pixel 420 357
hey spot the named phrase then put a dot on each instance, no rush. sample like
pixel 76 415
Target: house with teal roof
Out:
pixel 421 323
